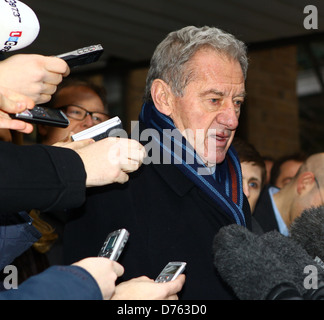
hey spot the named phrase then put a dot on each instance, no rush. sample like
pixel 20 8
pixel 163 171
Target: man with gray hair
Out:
pixel 191 183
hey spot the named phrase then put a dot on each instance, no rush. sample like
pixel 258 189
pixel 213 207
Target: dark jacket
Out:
pixel 45 178
pixel 17 234
pixel 40 177
pixel 264 213
pixel 56 283
pixel 169 219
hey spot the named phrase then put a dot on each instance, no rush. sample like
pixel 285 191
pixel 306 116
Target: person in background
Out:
pixel 277 208
pixel 253 170
pixel 84 103
pixel 285 168
pixel 253 175
pixel 268 161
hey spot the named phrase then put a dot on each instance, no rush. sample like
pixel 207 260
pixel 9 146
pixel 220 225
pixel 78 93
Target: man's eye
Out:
pixel 214 100
pixel 238 103
pixel 254 185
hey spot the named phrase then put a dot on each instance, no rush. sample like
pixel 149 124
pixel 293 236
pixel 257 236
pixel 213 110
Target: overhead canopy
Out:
pixel 131 29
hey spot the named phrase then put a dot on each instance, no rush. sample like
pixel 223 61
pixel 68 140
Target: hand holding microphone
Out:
pixel 32 75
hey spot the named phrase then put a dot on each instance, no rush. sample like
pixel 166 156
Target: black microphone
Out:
pixel 308 231
pixel 250 268
pixel 308 276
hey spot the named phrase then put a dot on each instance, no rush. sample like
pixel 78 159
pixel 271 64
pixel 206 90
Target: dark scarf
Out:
pixel 223 185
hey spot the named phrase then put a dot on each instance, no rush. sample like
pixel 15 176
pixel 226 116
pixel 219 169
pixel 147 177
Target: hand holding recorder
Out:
pixel 48 116
pixel 37 76
pixel 111 159
pixel 33 75
pixel 104 271
pixel 165 287
pixel 143 288
pixel 13 102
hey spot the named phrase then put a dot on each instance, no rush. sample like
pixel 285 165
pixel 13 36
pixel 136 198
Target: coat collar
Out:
pixel 176 180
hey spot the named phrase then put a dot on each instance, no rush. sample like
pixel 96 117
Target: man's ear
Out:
pixel 162 96
pixel 305 181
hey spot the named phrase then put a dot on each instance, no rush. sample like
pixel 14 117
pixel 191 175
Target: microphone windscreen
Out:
pixel 19 25
pixel 293 257
pixel 308 231
pixel 251 269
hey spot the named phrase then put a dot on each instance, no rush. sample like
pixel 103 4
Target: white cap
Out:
pixel 19 25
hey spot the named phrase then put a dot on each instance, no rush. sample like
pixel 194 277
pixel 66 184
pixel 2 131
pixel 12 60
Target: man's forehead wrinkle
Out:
pixel 221 93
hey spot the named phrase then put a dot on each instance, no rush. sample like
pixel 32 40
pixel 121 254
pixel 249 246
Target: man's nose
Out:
pixel 228 116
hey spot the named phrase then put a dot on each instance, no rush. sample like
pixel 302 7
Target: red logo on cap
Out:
pixel 15 34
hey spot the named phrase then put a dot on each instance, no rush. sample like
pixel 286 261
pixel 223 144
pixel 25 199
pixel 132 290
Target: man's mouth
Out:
pixel 221 138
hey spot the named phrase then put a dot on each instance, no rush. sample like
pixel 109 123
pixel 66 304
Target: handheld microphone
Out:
pixel 251 268
pixel 19 25
pixel 308 231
